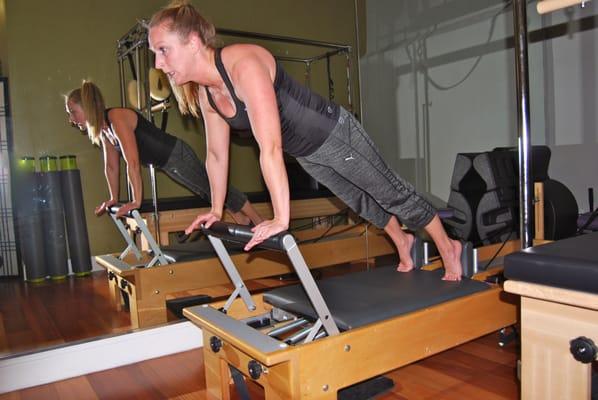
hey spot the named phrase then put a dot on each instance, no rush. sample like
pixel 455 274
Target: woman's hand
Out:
pixel 125 208
pixel 202 219
pixel 102 208
pixel 265 230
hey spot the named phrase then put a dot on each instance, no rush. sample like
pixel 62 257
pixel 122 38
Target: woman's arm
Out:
pixel 123 124
pixel 111 172
pixel 253 84
pixel 217 156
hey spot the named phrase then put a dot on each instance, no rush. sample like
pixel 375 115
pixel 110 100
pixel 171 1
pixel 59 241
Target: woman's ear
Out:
pixel 195 41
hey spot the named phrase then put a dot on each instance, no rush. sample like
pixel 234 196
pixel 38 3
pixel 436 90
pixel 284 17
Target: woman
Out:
pixel 124 131
pixel 243 87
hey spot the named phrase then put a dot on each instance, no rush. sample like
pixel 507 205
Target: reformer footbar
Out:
pixel 158 256
pixel 282 242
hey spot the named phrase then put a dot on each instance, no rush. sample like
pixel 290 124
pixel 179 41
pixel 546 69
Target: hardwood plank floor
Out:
pixel 33 316
pixel 477 370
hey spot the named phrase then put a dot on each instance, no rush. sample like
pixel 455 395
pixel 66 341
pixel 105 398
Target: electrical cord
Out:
pixel 497 252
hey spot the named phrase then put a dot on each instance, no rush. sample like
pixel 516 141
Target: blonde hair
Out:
pixel 183 19
pixel 90 98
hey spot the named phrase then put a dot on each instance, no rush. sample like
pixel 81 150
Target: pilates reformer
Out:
pixel 145 279
pixel 279 338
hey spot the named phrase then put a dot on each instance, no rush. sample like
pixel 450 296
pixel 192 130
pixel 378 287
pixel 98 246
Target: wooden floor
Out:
pixel 478 370
pixel 34 316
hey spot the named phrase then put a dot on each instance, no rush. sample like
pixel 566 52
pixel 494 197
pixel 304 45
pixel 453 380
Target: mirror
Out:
pixel 79 41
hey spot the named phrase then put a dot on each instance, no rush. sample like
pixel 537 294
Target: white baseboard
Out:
pixel 20 372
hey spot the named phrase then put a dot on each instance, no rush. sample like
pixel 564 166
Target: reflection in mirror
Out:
pixel 57 311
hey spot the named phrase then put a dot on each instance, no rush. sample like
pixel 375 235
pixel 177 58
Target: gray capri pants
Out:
pixel 350 165
pixel 184 167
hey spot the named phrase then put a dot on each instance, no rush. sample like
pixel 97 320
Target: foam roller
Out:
pixel 74 211
pixel 53 218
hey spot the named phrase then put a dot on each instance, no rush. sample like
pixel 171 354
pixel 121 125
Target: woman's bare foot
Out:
pixel 404 249
pixel 452 262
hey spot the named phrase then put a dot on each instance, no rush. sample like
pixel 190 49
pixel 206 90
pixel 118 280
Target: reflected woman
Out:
pixel 123 131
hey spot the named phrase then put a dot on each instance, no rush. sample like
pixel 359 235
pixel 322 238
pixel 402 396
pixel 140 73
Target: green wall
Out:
pixel 3 41
pixel 50 46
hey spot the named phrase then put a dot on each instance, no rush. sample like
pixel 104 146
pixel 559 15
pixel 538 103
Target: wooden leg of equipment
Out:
pixel 550 319
pixel 548 370
pixel 217 374
pixel 539 210
pixel 114 290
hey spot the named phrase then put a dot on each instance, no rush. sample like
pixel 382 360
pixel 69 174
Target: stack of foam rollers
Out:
pixel 50 218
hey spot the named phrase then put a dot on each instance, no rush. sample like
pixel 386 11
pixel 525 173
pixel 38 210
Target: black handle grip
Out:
pixel 113 209
pixel 242 234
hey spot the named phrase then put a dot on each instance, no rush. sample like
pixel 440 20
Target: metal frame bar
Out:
pixel 523 123
pixel 309 284
pixel 282 242
pixel 136 37
pixel 131 246
pixel 233 274
pixel 280 38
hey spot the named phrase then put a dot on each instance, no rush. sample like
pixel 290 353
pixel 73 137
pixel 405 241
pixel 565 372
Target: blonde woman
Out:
pixel 241 86
pixel 122 131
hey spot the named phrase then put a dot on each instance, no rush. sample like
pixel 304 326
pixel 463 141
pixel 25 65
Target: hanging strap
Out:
pixel 164 120
pixel 240 384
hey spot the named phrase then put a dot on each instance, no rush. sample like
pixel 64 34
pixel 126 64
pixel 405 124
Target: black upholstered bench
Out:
pixel 569 263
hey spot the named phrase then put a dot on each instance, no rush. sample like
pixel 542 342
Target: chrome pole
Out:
pixel 523 123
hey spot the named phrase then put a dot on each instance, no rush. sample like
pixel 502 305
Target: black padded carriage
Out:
pixel 362 298
pixel 569 263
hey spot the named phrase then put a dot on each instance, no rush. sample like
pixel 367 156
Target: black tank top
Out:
pixel 153 144
pixel 306 118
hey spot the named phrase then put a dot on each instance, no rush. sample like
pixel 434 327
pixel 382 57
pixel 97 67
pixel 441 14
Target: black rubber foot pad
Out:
pixel 176 305
pixel 367 389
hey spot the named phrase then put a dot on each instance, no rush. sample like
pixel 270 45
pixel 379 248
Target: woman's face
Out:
pixel 173 55
pixel 76 115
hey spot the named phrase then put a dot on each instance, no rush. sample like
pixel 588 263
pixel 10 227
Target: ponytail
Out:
pixel 89 97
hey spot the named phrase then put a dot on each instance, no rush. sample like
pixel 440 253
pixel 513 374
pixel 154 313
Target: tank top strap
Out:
pixel 240 120
pixel 226 78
